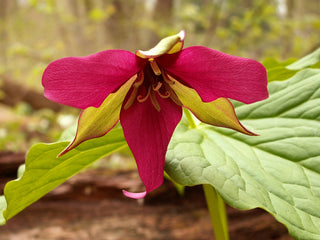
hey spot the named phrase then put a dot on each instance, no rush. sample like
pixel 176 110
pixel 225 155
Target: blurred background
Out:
pixel 35 32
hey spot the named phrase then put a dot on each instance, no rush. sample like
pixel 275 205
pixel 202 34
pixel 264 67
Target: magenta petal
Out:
pixel 148 133
pixel 214 74
pixel 86 81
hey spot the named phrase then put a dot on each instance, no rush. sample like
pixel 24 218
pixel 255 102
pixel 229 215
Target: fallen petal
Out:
pixel 134 195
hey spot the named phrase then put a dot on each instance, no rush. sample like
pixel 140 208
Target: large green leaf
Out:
pixel 278 171
pixel 311 60
pixel 278 70
pixel 283 70
pixel 44 171
pixel 3 206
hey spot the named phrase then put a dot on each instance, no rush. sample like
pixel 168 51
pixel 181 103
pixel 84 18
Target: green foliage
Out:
pixel 278 71
pixel 21 127
pixel 99 15
pixel 278 171
pixel 253 28
pixel 35 32
pixel 312 60
pixel 3 206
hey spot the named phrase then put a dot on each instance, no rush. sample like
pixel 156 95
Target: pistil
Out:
pixel 148 82
pixel 142 98
pixel 157 86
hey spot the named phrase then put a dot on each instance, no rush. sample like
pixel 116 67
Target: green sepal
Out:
pixel 219 113
pixel 96 122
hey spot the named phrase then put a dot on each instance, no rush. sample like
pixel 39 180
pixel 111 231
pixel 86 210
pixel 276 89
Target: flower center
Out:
pixel 150 82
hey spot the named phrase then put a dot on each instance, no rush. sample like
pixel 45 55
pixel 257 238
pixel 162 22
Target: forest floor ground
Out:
pixel 90 206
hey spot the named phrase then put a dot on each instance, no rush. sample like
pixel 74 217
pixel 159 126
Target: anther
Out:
pixel 170 80
pixel 131 98
pixel 154 101
pixel 139 80
pixel 172 94
pixel 175 98
pixel 155 67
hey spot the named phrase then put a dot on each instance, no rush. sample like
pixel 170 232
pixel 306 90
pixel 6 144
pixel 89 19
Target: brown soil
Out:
pixel 91 206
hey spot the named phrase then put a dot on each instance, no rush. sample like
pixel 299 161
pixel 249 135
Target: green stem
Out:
pixel 217 212
pixel 190 119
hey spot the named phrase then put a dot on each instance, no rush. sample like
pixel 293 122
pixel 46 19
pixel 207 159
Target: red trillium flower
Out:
pixel 146 92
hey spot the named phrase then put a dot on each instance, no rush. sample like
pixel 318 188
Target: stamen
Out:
pixel 155 67
pixel 170 80
pixel 175 98
pixel 173 95
pixel 157 87
pixel 142 98
pixel 154 101
pixel 131 98
pixel 140 80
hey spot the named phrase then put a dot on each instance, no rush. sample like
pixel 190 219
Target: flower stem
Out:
pixel 217 212
pixel 190 119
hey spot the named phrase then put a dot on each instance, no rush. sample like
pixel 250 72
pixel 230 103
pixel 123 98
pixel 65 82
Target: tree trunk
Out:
pixel 3 30
pixel 214 22
pixel 15 93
